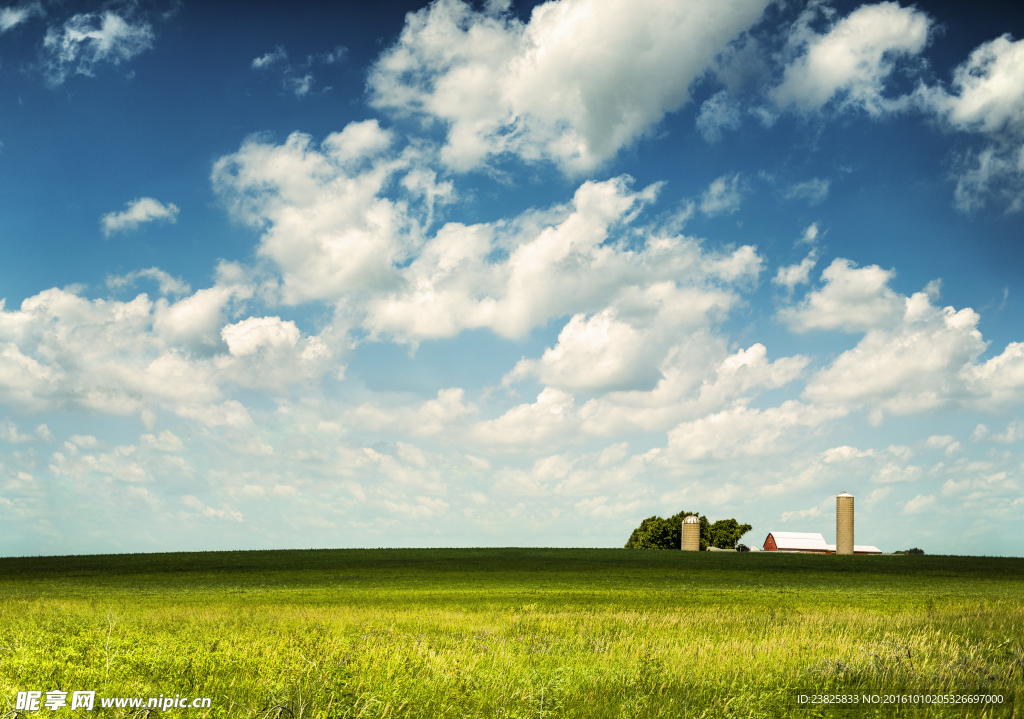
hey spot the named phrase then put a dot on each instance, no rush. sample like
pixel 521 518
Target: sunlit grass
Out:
pixel 515 632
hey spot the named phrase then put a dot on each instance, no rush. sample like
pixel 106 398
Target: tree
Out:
pixel 726 532
pixel 655 533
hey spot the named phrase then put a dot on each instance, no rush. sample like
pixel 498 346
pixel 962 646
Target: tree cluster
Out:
pixel 657 533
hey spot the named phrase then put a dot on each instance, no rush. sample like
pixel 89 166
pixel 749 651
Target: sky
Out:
pixel 399 274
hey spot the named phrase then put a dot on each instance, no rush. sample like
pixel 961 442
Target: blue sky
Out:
pixel 396 274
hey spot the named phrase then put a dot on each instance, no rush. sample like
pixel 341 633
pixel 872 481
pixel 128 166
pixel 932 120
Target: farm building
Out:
pixel 808 543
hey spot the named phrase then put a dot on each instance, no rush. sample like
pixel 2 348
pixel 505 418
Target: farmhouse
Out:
pixel 808 543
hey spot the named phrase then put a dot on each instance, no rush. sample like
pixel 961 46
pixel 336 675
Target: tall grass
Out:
pixel 515 633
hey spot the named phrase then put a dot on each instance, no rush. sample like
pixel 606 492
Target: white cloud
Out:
pixel 333 236
pixel 853 60
pixel 9 433
pixel 552 264
pixel 89 39
pixel 878 495
pixel 920 504
pixel 792 275
pixel 853 300
pixel 999 382
pixel 623 347
pixel 599 352
pixel 327 227
pixel 926 361
pixel 168 285
pixel 814 191
pixel 914 367
pixel 744 431
pixel 939 441
pixel 810 235
pixel 1014 433
pixel 987 99
pixel 137 212
pixel 62 351
pixel 270 58
pixel 846 453
pixel 549 422
pixel 699 378
pixel 430 419
pixel 296 77
pixel 723 195
pixel 580 81
pixel 166 441
pixel 248 336
pixel 718 113
pixel 988 89
pixel 11 17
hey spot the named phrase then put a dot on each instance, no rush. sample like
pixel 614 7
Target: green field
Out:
pixel 514 633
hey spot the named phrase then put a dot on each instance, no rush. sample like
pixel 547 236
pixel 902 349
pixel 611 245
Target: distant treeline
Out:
pixel 657 533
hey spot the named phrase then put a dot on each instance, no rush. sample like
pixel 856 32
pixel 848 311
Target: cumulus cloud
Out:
pixel 852 299
pixel 86 40
pixel 166 441
pixel 699 377
pixel 744 431
pixel 852 61
pixel 63 351
pixel 9 432
pixel 988 95
pixel 987 98
pixel 137 212
pixel 332 233
pixel 722 196
pixel 792 275
pixel 328 228
pixel 545 424
pixel 622 347
pixel 924 363
pixel 563 262
pixel 167 284
pixel 599 352
pixel 920 504
pixel 248 336
pixel 428 419
pixel 578 82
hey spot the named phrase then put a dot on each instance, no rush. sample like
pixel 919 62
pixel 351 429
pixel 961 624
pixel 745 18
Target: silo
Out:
pixel 844 523
pixel 691 534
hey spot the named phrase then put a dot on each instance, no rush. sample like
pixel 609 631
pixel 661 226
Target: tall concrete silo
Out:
pixel 844 523
pixel 691 534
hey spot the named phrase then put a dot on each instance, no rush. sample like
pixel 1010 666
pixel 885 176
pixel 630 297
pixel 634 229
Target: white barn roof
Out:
pixel 799 541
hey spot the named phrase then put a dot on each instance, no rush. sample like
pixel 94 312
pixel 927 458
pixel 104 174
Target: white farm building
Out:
pixel 808 543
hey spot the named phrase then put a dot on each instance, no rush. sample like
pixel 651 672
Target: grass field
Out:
pixel 514 633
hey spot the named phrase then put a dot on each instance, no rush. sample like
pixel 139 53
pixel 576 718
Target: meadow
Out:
pixel 514 633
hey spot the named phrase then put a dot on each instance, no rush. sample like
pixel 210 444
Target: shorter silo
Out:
pixel 844 523
pixel 691 534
